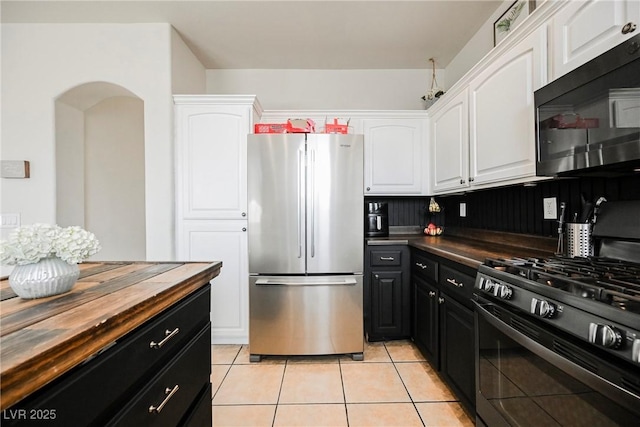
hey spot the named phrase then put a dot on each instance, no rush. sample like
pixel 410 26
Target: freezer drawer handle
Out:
pixel 272 282
pixel 169 392
pixel 387 258
pixel 168 335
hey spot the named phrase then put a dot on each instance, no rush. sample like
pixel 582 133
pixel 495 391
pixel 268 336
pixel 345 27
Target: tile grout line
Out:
pixel 213 395
pixel 405 386
pixel 275 412
pixel 344 394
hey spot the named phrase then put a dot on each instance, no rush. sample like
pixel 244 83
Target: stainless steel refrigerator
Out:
pixel 306 226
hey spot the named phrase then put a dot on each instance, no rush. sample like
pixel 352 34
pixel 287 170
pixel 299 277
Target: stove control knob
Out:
pixel 604 335
pixel 543 308
pixel 503 291
pixel 488 285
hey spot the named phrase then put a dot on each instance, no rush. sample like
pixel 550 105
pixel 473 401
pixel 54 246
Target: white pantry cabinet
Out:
pixel 225 241
pixel 584 29
pixel 394 152
pixel 211 199
pixel 211 154
pixel 449 139
pixel 501 112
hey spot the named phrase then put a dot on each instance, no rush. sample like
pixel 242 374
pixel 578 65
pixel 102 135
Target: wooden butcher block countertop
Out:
pixel 471 247
pixel 43 338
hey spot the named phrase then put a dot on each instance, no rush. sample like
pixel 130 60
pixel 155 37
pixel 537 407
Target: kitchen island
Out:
pixel 127 318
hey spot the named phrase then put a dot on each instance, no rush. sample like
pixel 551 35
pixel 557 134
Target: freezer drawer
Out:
pixel 306 315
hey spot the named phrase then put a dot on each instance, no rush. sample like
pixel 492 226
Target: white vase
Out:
pixel 49 276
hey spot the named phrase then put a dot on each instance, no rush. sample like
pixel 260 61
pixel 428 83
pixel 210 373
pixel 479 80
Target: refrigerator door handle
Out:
pixel 294 282
pixel 300 199
pixel 312 197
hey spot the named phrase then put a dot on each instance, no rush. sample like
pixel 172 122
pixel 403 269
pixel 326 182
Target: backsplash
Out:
pixel 515 209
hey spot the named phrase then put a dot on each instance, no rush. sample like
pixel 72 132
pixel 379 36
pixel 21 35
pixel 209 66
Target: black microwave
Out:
pixel 588 121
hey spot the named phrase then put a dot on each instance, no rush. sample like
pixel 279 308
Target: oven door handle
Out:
pixel 614 392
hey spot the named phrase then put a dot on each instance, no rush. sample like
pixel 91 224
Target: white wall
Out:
pixel 327 89
pixel 114 177
pixel 69 137
pixel 187 73
pixel 42 61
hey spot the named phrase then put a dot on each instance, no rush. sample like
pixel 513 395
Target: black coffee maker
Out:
pixel 376 223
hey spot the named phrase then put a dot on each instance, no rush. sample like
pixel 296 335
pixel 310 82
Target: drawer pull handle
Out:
pixel 454 283
pixel 432 294
pixel 441 300
pixel 169 392
pixel 422 266
pixel 168 335
pixel 387 258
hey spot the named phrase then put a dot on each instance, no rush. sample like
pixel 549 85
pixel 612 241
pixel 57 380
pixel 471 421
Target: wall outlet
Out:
pixel 9 220
pixel 550 208
pixel 463 210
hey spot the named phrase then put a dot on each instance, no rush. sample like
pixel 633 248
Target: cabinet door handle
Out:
pixel 387 258
pixel 422 266
pixel 368 188
pixel 454 283
pixel 471 179
pixel 432 294
pixel 244 214
pixel 244 228
pixel 462 181
pixel 168 335
pixel 440 300
pixel 629 27
pixel 169 392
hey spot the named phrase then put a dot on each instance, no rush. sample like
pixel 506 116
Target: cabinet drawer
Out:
pixel 202 413
pixel 105 382
pixel 424 267
pixel 388 258
pixel 165 401
pixel 457 284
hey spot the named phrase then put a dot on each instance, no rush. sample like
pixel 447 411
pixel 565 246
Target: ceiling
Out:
pixel 264 34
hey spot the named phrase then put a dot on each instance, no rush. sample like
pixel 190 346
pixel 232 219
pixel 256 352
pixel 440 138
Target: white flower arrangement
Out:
pixel 31 243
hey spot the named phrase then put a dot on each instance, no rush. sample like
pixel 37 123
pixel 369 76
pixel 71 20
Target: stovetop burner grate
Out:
pixel 610 281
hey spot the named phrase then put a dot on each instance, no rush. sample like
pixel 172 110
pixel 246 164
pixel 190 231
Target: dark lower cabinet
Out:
pixel 387 293
pixel 443 323
pixel 457 349
pixel 425 326
pixel 158 374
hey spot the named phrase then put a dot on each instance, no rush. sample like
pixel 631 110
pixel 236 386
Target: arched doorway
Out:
pixel 100 178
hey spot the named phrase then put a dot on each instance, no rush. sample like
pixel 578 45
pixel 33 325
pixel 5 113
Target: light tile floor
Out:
pixel 393 386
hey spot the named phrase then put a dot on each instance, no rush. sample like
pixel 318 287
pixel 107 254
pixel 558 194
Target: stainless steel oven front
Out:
pixel 529 375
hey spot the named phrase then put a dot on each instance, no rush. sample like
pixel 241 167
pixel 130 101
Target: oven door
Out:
pixel 521 381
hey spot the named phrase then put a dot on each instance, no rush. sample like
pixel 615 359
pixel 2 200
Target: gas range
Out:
pixel 596 300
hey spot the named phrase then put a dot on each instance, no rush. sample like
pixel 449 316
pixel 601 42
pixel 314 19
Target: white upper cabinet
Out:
pixel 211 154
pixel 449 138
pixel 394 156
pixel 501 112
pixel 584 29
